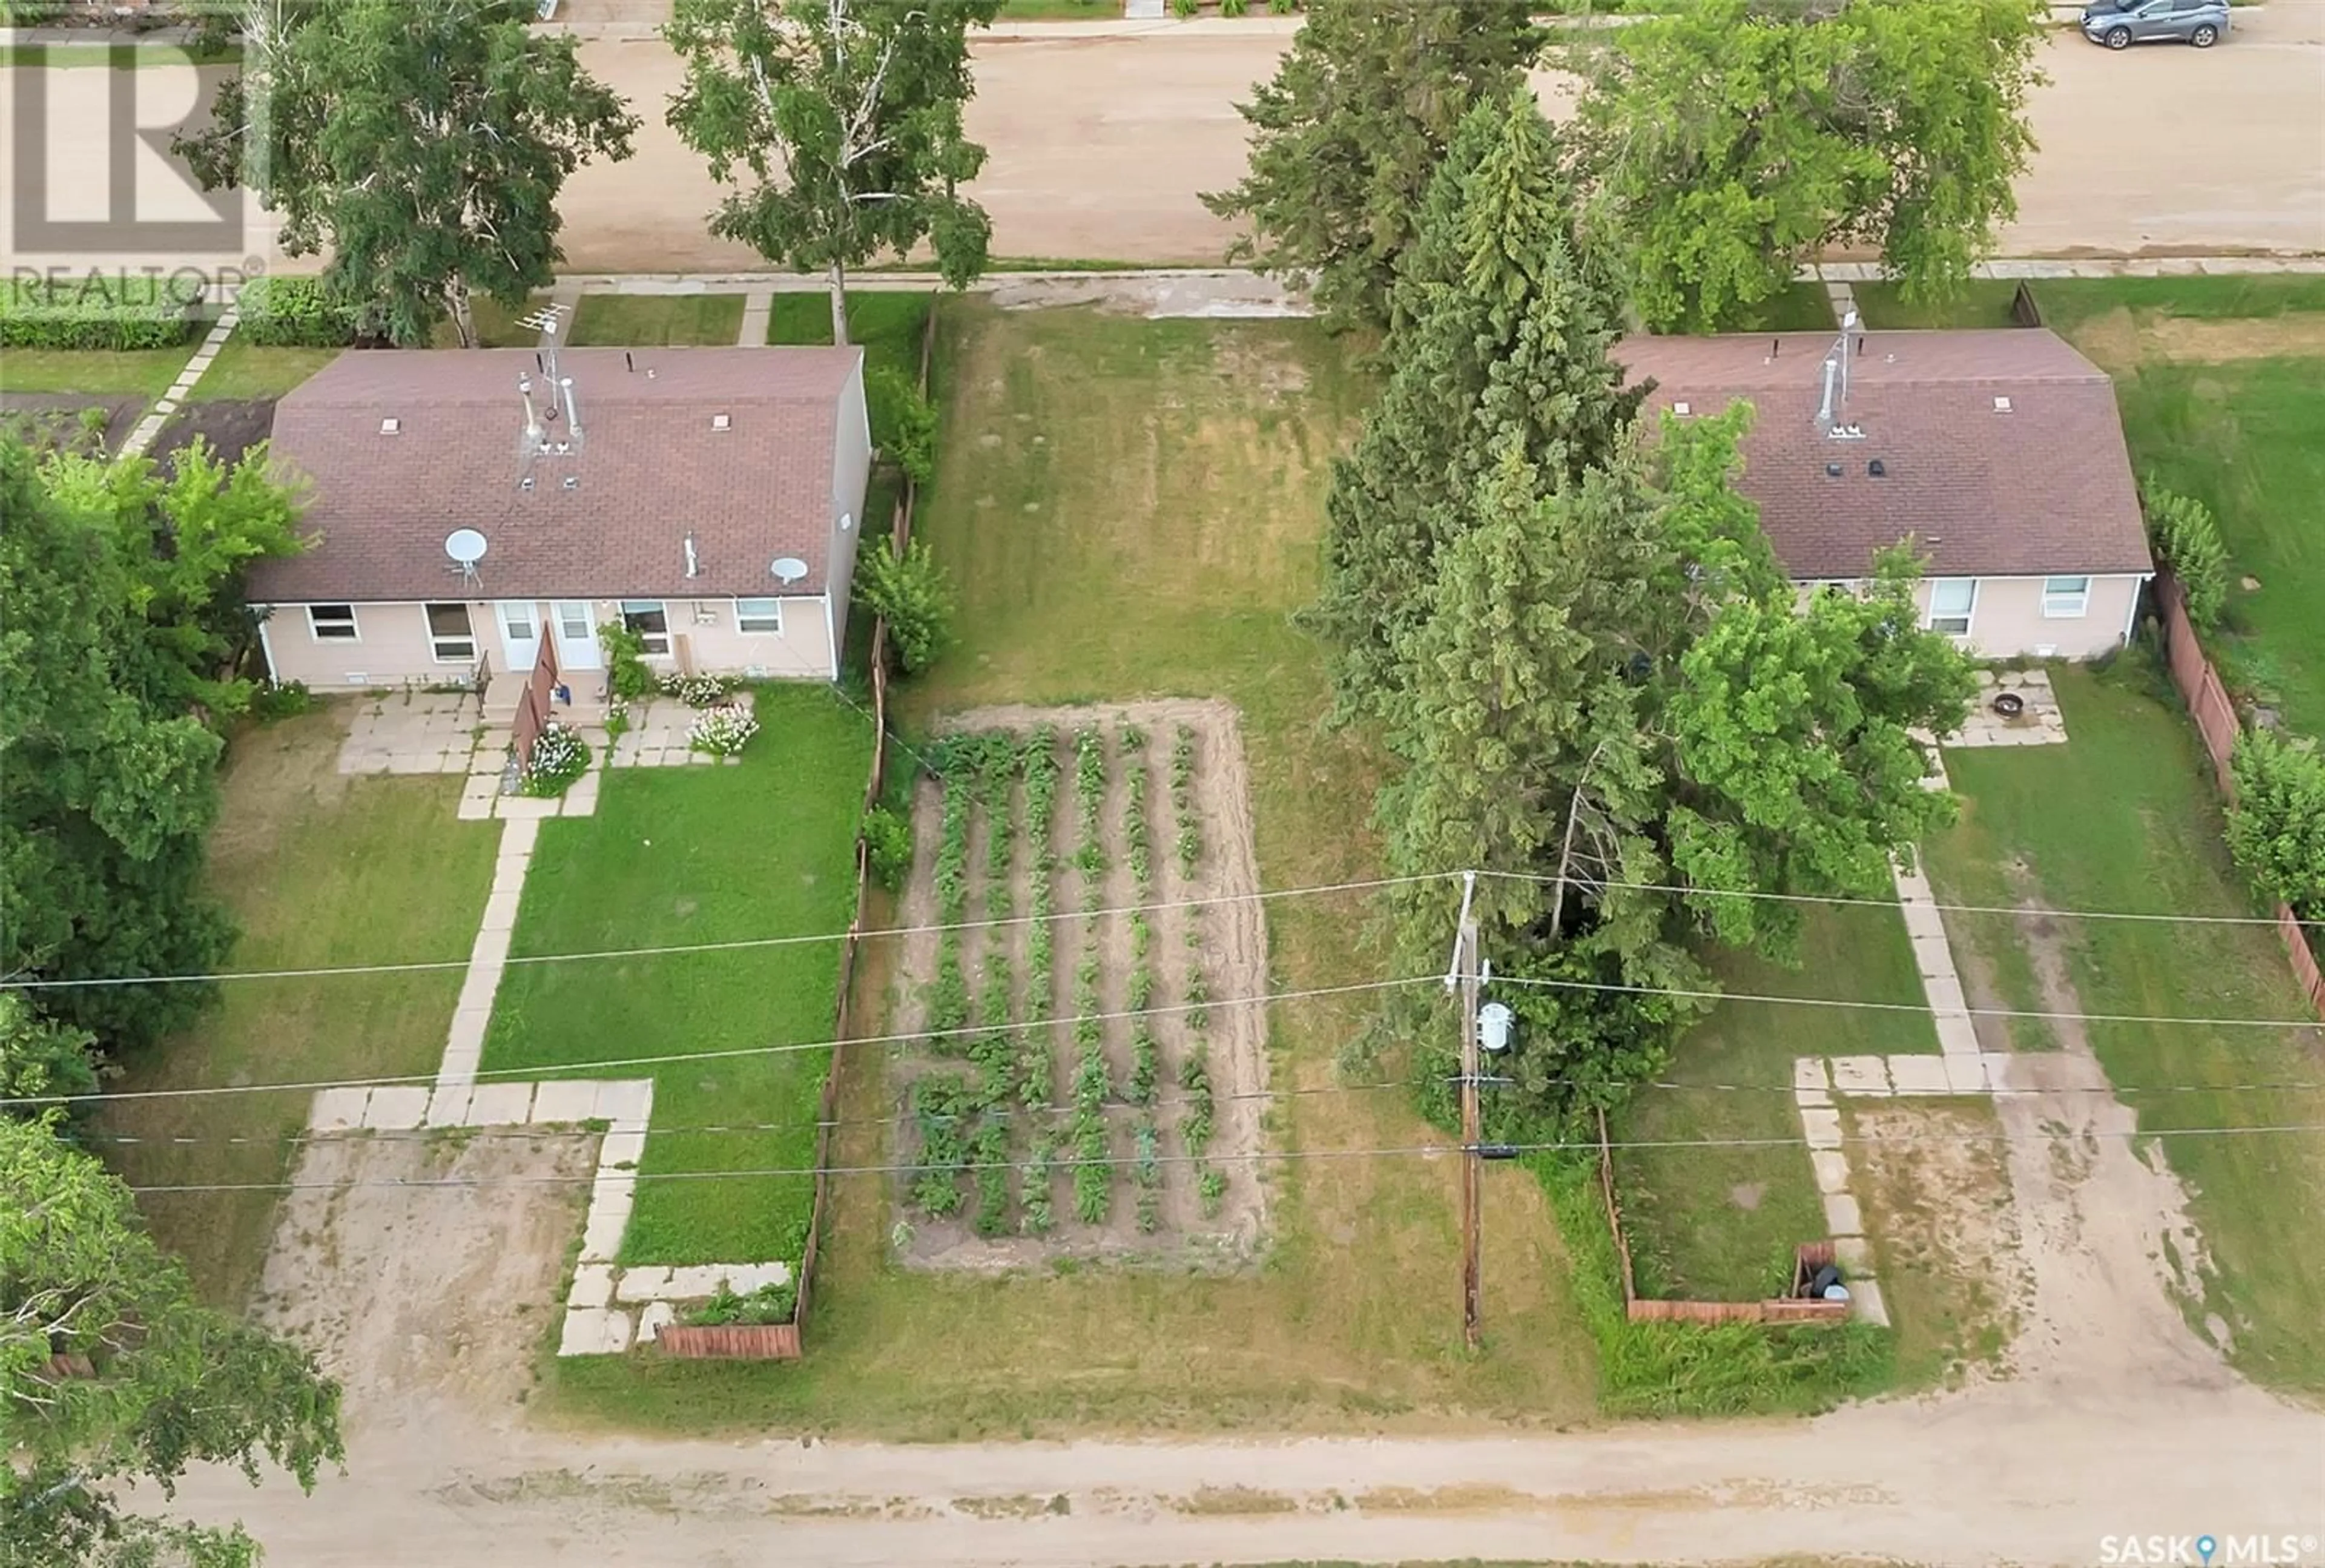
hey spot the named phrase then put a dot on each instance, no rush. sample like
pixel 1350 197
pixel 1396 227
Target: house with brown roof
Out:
pixel 470 507
pixel 1998 455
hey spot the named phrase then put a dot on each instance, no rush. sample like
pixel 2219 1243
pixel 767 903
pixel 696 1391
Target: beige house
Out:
pixel 471 509
pixel 1997 455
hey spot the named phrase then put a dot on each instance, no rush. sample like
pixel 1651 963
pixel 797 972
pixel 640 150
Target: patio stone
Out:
pixel 594 1331
pixel 701 1279
pixel 1841 1216
pixel 601 1234
pixel 527 808
pixel 593 1286
pixel 396 1107
pixel 657 1316
pixel 476 993
pixel 622 1148
pixel 565 1100
pixel 1863 1075
pixel 336 1109
pixel 1855 1255
pixel 475 808
pixel 1918 1074
pixel 491 949
pixel 1865 1301
pixel 650 1283
pixel 1822 1127
pixel 448 1106
pixel 500 1105
pixel 1831 1170
pixel 751 1276
pixel 500 910
pixel 626 1102
pixel 1807 1073
pixel 1967 1075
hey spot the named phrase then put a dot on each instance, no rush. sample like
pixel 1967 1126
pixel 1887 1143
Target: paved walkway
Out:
pixel 758 305
pixel 149 428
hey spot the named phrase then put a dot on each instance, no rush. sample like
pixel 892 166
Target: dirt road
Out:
pixel 1100 139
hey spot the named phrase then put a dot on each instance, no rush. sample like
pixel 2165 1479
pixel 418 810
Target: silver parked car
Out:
pixel 2120 23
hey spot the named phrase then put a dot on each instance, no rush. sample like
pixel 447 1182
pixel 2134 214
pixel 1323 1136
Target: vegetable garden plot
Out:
pixel 1080 1085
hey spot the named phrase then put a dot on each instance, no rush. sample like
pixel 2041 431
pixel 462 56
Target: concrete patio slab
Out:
pixel 491 950
pixel 500 909
pixel 1855 1255
pixel 626 1102
pixel 1967 1075
pixel 448 1106
pixel 1860 1075
pixel 1831 1170
pixel 1865 1301
pixel 593 1286
pixel 1809 1073
pixel 621 1148
pixel 1957 1036
pixel 1822 1127
pixel 657 1317
pixel 648 1284
pixel 396 1107
pixel 1841 1216
pixel 1919 1075
pixel 500 1105
pixel 565 1100
pixel 338 1109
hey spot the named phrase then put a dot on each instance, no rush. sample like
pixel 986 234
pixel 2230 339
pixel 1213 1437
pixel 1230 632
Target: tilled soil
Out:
pixel 1224 942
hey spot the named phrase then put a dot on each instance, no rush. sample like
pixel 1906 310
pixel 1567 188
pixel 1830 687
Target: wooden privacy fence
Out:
pixel 533 704
pixel 2216 720
pixel 1806 1260
pixel 782 1341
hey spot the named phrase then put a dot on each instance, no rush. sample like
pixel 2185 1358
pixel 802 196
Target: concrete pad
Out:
pixel 1923 921
pixel 490 951
pixel 696 1281
pixel 459 1068
pixel 1946 995
pixel 1831 1170
pixel 657 1317
pixel 637 1285
pixel 477 988
pixel 1822 1128
pixel 1967 1075
pixel 336 1109
pixel 475 808
pixel 567 1099
pixel 619 1330
pixel 1918 1074
pixel 1811 1099
pixel 1860 1075
pixel 448 1106
pixel 500 910
pixel 1855 1255
pixel 1957 1036
pixel 593 1286
pixel 601 1233
pixel 519 838
pixel 1933 955
pixel 396 1107
pixel 1998 1066
pixel 625 1100
pixel 467 1032
pixel 750 1277
pixel 594 1331
pixel 1865 1301
pixel 622 1148
pixel 1841 1216
pixel 500 1105
pixel 1807 1073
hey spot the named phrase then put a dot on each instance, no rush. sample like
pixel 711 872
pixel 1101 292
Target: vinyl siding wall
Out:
pixel 2007 619
pixel 851 472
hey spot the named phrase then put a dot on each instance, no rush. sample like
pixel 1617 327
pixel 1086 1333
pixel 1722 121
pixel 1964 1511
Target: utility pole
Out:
pixel 1465 963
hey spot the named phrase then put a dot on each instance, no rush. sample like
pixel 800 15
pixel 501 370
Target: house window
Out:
pixel 450 634
pixel 759 615
pixel 651 622
pixel 2066 599
pixel 1951 601
pixel 332 623
pixel 573 624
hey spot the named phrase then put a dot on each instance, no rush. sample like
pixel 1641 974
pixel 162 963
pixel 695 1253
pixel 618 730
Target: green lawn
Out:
pixel 689 855
pixel 98 372
pixel 886 323
pixel 2070 303
pixel 1133 507
pixel 246 370
pixel 655 321
pixel 1983 302
pixel 318 869
pixel 1719 1224
pixel 1798 307
pixel 2123 817
pixel 497 326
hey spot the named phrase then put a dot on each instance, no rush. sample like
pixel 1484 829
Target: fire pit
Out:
pixel 2009 704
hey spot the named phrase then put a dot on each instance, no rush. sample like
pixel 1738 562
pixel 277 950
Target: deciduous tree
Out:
pixel 1735 138
pixel 1347 136
pixel 839 121
pixel 423 143
pixel 2276 827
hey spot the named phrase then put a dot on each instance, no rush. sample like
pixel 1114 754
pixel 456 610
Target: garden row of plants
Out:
pixel 972 1121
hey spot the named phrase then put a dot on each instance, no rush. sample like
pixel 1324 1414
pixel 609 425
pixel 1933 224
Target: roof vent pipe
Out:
pixel 1824 409
pixel 532 418
pixel 572 409
pixel 693 567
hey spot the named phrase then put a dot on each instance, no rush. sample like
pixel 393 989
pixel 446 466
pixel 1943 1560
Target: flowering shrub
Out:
pixel 696 691
pixel 722 731
pixel 558 757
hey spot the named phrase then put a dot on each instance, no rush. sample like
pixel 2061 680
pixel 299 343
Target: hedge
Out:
pixel 297 313
pixel 97 312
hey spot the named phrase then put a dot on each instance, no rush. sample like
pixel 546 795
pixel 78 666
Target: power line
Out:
pixel 1257 1156
pixel 2176 919
pixel 541 1070
pixel 738 944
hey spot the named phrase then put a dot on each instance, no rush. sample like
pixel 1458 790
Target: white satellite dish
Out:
pixel 789 569
pixel 465 546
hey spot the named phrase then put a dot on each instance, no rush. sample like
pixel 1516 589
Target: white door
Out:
pixel 520 634
pixel 576 639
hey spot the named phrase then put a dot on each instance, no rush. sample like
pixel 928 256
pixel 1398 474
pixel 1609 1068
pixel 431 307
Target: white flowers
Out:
pixel 696 691
pixel 558 757
pixel 722 731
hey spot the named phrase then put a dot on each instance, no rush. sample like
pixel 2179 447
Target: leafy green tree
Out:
pixel 111 1373
pixel 2276 826
pixel 422 143
pixel 1736 138
pixel 903 421
pixel 1506 327
pixel 1347 136
pixel 846 117
pixel 2187 540
pixel 40 1058
pixel 911 591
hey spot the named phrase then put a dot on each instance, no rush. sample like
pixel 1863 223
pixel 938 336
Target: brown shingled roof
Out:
pixel 2044 487
pixel 652 470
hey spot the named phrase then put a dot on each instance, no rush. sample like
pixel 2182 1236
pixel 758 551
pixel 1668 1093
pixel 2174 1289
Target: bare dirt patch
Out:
pixel 2123 339
pixel 1192 931
pixel 48 421
pixel 426 1300
pixel 231 426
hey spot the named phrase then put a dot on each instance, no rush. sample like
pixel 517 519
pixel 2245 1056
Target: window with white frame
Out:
pixel 759 615
pixel 332 623
pixel 1952 600
pixel 2066 599
pixel 651 622
pixel 449 635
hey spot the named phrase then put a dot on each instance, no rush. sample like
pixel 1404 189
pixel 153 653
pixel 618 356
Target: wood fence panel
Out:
pixel 533 704
pixel 733 1341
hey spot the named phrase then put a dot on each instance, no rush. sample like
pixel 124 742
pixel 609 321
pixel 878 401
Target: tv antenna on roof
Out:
pixel 467 547
pixel 1836 369
pixel 549 322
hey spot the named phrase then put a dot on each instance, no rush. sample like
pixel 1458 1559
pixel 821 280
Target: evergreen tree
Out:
pixel 1505 327
pixel 1346 137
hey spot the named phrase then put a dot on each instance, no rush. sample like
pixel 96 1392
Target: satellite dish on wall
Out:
pixel 789 569
pixel 465 546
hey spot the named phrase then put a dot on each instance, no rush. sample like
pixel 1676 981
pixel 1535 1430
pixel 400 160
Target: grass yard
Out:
pixel 2071 304
pixel 656 320
pixel 1983 302
pixel 246 370
pixel 2123 817
pixel 98 372
pixel 678 856
pixel 886 323
pixel 497 326
pixel 1129 508
pixel 1721 1224
pixel 318 869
